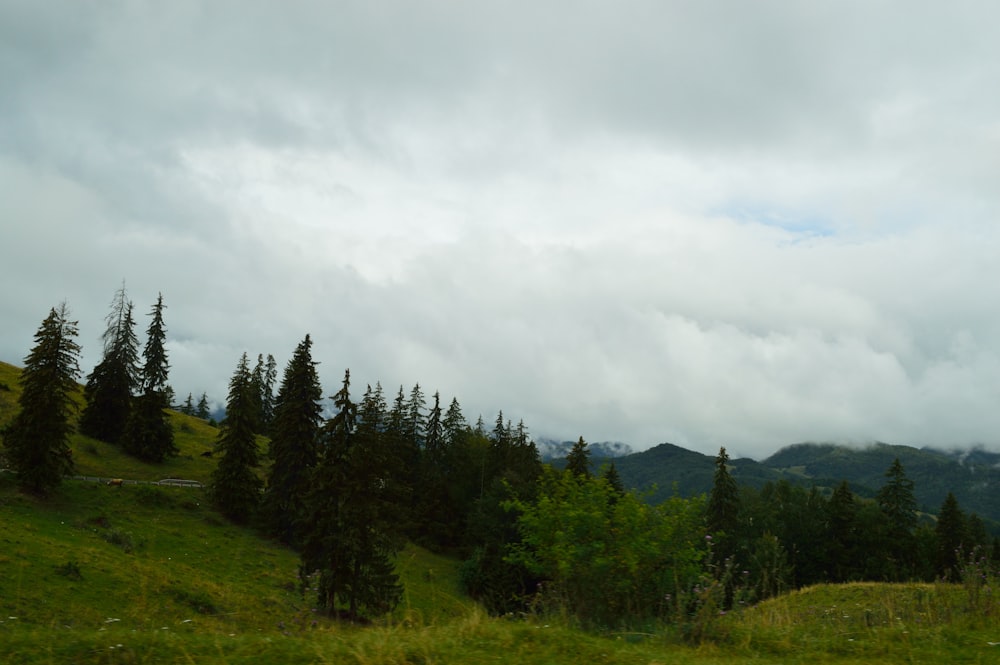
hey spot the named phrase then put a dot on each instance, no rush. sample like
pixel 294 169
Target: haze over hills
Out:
pixel 972 475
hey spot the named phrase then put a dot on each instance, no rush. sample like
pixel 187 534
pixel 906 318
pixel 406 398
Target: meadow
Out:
pixel 152 574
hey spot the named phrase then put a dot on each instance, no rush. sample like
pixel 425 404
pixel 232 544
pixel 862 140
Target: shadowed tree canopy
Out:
pixel 37 440
pixel 578 459
pixel 235 487
pixel 148 434
pixel 294 447
pixel 349 536
pixel 115 379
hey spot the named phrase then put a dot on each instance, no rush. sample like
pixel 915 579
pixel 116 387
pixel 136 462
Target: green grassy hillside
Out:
pixel 152 574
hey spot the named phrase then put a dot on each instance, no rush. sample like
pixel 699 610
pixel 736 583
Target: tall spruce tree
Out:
pixel 724 499
pixel 202 410
pixel 950 531
pixel 267 395
pixel 235 487
pixel 842 534
pixel 148 434
pixel 349 539
pixel 294 447
pixel 115 379
pixel 578 460
pixel 37 440
pixel 897 503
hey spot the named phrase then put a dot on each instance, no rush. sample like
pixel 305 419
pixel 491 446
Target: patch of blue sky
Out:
pixel 801 224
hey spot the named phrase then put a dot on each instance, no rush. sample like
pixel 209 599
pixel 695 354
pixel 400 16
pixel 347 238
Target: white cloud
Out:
pixel 714 224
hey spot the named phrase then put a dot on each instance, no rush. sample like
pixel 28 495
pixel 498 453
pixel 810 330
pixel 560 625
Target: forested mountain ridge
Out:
pixel 972 475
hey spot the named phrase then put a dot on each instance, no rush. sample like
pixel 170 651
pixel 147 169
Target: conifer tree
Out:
pixel 294 447
pixel 267 395
pixel 899 506
pixel 349 539
pixel 148 434
pixel 454 423
pixel 37 440
pixel 115 379
pixel 950 531
pixel 578 460
pixel 202 410
pixel 614 480
pixel 257 390
pixel 724 499
pixel 235 487
pixel 187 408
pixel 842 533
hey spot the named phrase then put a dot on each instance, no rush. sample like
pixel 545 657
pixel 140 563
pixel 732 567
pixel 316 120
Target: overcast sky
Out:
pixel 710 223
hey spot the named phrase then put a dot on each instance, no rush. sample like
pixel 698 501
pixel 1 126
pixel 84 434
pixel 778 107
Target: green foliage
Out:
pixel 722 512
pixel 36 442
pixel 578 459
pixel 351 529
pixel 950 531
pixel 115 379
pixel 294 447
pixel 235 487
pixel 148 434
pixel 606 559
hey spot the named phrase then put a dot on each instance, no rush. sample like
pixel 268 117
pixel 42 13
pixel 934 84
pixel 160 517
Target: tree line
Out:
pixel 348 490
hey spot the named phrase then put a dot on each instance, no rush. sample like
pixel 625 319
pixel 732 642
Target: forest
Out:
pixel 347 485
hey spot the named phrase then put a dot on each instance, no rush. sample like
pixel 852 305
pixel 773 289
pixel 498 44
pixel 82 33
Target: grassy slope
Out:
pixel 99 574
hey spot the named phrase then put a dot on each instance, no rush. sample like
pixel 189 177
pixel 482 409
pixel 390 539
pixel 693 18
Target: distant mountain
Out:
pixel 671 468
pixel 973 475
pixel 552 450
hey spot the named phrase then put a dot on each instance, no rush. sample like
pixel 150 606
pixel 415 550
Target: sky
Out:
pixel 705 223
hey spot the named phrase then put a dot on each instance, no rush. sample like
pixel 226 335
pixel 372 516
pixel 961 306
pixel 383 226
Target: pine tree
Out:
pixel 454 423
pixel 203 411
pixel 578 460
pixel 724 499
pixel 235 487
pixel 37 440
pixel 257 391
pixel 267 395
pixel 115 379
pixel 899 506
pixel 950 531
pixel 614 480
pixel 148 434
pixel 294 447
pixel 187 408
pixel 842 533
pixel 349 539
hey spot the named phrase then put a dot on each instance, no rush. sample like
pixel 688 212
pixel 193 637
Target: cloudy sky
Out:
pixel 709 223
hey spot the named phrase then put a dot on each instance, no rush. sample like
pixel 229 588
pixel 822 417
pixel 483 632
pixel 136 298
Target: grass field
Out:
pixel 149 574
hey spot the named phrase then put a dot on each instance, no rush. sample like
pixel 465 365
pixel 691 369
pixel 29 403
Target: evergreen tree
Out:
pixel 614 480
pixel 37 440
pixel 187 408
pixel 950 531
pixel 454 423
pixel 578 460
pixel 148 434
pixel 842 533
pixel 235 487
pixel 203 411
pixel 115 379
pixel 430 490
pixel 294 448
pixel 267 395
pixel 349 536
pixel 724 499
pixel 257 391
pixel 899 506
pixel 414 423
